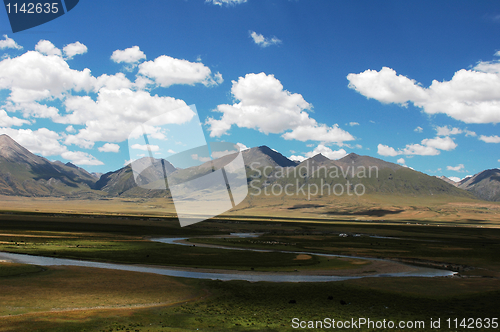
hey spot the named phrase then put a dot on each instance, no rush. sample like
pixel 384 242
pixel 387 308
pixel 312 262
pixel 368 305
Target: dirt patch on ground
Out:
pixel 358 262
pixel 302 257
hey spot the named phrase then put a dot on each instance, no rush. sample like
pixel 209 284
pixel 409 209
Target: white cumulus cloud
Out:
pixel 33 76
pixel 130 55
pixel 41 84
pixel 471 96
pixel 146 147
pixel 318 132
pixel 263 41
pixel 457 168
pixel 419 150
pixel 470 133
pixel 9 43
pixel 447 131
pixel 81 158
pixel 297 158
pixel 418 129
pixel 7 121
pixel 115 113
pixel 441 143
pixel 454 178
pixel 33 79
pixel 490 139
pixel 226 2
pixel 386 86
pixel 166 71
pixel 70 129
pixel 47 48
pixel 73 49
pixel 324 150
pixel 428 147
pixel 81 142
pixel 242 146
pixel 109 147
pixel 327 152
pixel 386 151
pixel 264 105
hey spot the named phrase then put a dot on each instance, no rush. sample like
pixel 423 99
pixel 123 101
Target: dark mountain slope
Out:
pixel 26 174
pixel 484 185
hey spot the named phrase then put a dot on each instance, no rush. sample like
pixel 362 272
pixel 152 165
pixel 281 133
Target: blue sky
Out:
pixel 416 83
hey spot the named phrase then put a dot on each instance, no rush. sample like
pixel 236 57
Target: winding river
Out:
pixel 213 274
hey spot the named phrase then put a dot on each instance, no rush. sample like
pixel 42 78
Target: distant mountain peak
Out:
pixel 32 175
pixel 267 150
pixel 356 160
pixel 5 137
pixel 69 164
pixel 316 160
pixel 319 158
pixel 144 162
pixel 484 185
pixel 265 156
pixel 493 173
pixel 448 180
pixel 13 151
pixel 351 156
pixel 7 142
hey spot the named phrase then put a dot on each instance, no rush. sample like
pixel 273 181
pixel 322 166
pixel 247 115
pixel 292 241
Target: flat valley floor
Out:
pixel 460 236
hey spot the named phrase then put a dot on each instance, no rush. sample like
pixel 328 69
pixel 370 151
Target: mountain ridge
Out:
pixel 266 156
pixel 26 174
pixel 484 185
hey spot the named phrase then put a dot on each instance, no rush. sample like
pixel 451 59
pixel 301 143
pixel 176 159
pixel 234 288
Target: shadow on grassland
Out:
pixel 372 212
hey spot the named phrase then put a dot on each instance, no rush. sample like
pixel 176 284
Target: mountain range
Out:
pixel 484 185
pixel 23 173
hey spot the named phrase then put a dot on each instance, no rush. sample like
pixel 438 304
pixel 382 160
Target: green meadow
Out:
pixel 81 299
pixel 87 299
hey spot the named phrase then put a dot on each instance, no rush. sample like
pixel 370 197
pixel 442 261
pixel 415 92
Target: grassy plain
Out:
pixel 461 234
pixel 380 208
pixel 81 299
pixel 70 288
pixel 470 251
pixel 126 241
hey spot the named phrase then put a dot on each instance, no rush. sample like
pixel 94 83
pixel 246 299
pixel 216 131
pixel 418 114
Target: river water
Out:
pixel 216 275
